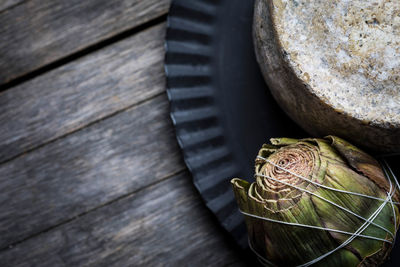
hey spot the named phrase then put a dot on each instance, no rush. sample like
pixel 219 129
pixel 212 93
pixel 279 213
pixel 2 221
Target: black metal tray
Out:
pixel 221 108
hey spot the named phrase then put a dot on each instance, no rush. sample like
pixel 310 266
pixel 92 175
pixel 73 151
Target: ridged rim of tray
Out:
pixel 221 108
pixel 194 111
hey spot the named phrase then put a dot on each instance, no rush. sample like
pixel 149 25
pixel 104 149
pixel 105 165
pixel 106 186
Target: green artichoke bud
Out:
pixel 320 202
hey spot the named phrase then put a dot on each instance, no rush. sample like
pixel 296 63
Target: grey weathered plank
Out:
pixel 4 4
pixel 86 169
pixel 164 225
pixel 82 91
pixel 38 32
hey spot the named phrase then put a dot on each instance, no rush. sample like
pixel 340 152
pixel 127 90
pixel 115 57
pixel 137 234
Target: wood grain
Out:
pixel 38 32
pixel 81 92
pixel 86 169
pixel 5 4
pixel 163 225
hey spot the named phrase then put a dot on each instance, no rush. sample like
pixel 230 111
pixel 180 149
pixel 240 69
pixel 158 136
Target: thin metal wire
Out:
pixel 312 226
pixel 262 260
pixel 360 230
pixel 357 233
pixel 386 165
pixel 327 200
pixel 323 186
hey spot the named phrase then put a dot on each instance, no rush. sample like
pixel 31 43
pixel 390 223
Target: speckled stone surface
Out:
pixel 334 66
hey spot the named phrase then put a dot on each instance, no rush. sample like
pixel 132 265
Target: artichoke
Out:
pixel 319 202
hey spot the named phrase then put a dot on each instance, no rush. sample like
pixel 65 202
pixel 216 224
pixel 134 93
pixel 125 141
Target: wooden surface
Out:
pixel 35 33
pixel 90 170
pixel 6 4
pixel 81 92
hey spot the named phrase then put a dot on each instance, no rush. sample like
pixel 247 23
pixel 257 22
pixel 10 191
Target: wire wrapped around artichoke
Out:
pixel 319 202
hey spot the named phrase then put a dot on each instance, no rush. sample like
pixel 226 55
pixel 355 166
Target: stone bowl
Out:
pixel 334 66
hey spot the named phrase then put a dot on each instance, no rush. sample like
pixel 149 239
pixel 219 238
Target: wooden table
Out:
pixel 90 171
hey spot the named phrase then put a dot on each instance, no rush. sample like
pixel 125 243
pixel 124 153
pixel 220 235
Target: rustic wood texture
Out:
pixel 81 92
pixel 87 169
pixel 5 4
pixel 38 32
pixel 164 225
pixel 90 170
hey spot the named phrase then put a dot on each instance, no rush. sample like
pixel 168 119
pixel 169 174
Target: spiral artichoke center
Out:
pixel 288 167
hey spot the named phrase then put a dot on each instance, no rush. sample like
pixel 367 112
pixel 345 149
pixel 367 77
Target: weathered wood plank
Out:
pixel 83 91
pixel 4 4
pixel 39 32
pixel 164 225
pixel 86 169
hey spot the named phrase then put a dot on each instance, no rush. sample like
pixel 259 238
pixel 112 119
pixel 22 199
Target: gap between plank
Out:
pixel 81 127
pixel 13 6
pixel 167 177
pixel 81 53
